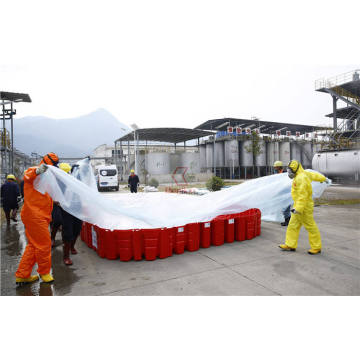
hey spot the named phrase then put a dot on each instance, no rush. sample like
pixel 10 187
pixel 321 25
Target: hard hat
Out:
pixel 132 170
pixel 50 159
pixel 65 166
pixel 278 164
pixel 11 177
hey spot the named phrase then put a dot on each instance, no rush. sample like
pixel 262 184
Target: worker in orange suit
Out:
pixel 36 216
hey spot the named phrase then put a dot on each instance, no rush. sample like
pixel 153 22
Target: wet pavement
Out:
pixel 255 267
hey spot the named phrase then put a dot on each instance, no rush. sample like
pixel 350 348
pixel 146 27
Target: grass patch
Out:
pixel 336 202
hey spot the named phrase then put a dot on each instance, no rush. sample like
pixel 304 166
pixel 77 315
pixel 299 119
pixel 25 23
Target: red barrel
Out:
pixel 205 234
pixel 240 226
pixel 218 231
pixel 180 239
pixel 100 243
pixel 111 251
pixel 166 243
pixel 124 242
pixel 250 224
pixel 193 236
pixel 230 228
pixel 151 243
pixel 258 222
pixel 138 244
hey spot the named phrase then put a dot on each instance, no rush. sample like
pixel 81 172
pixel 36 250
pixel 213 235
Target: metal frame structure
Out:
pixel 345 87
pixel 7 100
pixel 154 135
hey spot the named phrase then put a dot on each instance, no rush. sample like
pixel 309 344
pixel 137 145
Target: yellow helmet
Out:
pixel 65 166
pixel 278 164
pixel 11 177
pixel 132 170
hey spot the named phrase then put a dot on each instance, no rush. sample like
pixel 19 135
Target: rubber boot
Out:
pixel 72 247
pixel 30 279
pixel 47 278
pixel 314 251
pixel 286 222
pixel 66 248
pixel 284 247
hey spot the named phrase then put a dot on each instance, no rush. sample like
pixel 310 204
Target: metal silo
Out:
pixel 191 160
pixel 158 163
pixel 219 154
pixel 295 151
pixel 246 157
pixel 202 152
pixel 261 158
pixel 284 152
pixel 209 155
pixel 231 153
pixel 272 154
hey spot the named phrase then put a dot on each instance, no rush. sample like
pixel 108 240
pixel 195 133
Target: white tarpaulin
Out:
pixel 270 194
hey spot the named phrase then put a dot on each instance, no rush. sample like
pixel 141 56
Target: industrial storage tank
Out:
pixel 202 152
pixel 174 161
pixel 307 154
pixel 272 152
pixel 191 161
pixel 338 163
pixel 209 155
pixel 158 163
pixel 295 151
pixel 231 153
pixel 219 154
pixel 284 152
pixel 246 157
pixel 261 158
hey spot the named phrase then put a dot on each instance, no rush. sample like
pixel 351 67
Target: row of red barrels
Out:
pixel 161 243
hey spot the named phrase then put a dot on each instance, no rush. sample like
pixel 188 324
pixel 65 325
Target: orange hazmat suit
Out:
pixel 36 216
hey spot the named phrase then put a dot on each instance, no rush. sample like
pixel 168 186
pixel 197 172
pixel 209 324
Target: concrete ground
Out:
pixel 253 267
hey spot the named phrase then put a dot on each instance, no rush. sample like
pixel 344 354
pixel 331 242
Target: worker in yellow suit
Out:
pixel 302 212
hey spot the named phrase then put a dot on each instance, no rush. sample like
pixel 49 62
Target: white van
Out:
pixel 107 177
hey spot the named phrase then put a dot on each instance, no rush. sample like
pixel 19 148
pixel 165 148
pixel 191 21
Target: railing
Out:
pixel 337 80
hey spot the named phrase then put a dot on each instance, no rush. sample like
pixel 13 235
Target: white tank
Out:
pixel 261 158
pixel 158 163
pixel 295 151
pixel 246 157
pixel 284 151
pixel 307 154
pixel 231 152
pixel 219 154
pixel 174 161
pixel 337 163
pixel 272 152
pixel 202 151
pixel 209 155
pixel 191 160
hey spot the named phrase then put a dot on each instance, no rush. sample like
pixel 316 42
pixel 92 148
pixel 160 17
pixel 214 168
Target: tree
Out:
pixel 254 147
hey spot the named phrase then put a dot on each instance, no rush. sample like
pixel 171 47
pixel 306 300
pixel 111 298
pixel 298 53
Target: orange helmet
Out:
pixel 50 159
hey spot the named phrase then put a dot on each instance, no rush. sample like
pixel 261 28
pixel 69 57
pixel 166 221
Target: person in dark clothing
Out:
pixel 133 181
pixel 56 222
pixel 22 188
pixel 71 226
pixel 9 198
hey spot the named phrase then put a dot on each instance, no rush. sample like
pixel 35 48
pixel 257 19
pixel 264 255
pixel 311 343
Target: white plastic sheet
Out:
pixel 271 194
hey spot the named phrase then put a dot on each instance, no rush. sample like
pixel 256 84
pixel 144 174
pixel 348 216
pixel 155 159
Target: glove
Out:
pixel 41 169
pixel 128 185
pixel 294 211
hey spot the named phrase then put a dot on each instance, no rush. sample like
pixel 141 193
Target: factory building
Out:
pixel 230 148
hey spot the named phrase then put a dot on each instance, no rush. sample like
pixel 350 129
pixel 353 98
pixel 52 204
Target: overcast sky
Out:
pixel 177 63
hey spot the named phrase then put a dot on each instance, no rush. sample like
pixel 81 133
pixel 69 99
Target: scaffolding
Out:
pixel 7 100
pixel 344 87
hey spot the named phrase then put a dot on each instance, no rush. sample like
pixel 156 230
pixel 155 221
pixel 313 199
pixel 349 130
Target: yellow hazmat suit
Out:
pixel 301 192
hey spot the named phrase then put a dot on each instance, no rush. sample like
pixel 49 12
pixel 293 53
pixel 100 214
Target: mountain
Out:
pixel 67 137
